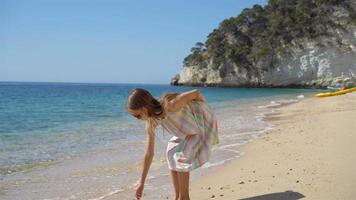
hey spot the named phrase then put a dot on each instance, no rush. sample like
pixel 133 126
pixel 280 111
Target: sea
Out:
pixel 77 141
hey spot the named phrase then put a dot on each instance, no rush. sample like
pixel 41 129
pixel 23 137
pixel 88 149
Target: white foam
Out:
pixel 268 128
pixel 238 134
pixel 209 164
pixel 274 104
pixel 108 194
pixel 270 105
pixel 231 145
pixel 231 150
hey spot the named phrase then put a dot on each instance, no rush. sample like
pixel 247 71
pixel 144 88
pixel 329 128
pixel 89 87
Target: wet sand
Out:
pixel 310 154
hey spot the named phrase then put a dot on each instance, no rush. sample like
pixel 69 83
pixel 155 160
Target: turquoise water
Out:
pixel 43 122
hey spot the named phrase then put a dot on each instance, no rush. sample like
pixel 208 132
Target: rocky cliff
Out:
pixel 287 43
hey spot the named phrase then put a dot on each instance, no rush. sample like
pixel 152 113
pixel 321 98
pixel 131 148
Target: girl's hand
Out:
pixel 139 190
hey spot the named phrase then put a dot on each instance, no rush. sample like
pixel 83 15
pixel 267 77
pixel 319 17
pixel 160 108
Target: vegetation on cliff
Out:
pixel 262 34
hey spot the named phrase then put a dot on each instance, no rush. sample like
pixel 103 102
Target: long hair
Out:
pixel 156 109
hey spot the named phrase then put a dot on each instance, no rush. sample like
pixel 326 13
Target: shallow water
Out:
pixel 76 141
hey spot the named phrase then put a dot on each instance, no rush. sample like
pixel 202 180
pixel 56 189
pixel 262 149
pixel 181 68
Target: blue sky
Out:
pixel 123 41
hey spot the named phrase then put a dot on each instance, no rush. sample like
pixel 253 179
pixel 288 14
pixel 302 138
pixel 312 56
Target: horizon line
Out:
pixel 63 82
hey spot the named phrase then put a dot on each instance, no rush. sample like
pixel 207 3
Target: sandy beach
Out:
pixel 310 154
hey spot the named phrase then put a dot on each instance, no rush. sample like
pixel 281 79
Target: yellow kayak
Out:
pixel 340 92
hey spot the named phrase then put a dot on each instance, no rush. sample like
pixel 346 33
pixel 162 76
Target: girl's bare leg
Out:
pixel 183 179
pixel 174 175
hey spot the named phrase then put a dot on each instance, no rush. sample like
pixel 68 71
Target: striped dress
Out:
pixel 195 131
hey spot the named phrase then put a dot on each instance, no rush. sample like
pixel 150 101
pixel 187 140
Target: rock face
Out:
pixel 317 61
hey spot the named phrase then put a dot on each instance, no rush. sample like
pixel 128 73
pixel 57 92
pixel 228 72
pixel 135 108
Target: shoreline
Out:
pixel 308 154
pixel 158 186
pixel 112 182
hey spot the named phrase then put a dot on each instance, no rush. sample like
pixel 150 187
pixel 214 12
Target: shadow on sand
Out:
pixel 287 195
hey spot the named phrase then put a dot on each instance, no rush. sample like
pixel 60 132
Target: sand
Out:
pixel 310 154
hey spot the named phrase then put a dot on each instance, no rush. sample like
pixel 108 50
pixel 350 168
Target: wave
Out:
pixel 282 102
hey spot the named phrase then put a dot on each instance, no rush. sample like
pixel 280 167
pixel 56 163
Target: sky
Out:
pixel 106 41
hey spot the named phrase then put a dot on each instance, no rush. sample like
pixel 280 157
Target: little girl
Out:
pixel 190 120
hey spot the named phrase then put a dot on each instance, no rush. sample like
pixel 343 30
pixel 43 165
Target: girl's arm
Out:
pixel 182 99
pixel 148 158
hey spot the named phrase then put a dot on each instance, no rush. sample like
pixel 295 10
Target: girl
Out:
pixel 190 120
